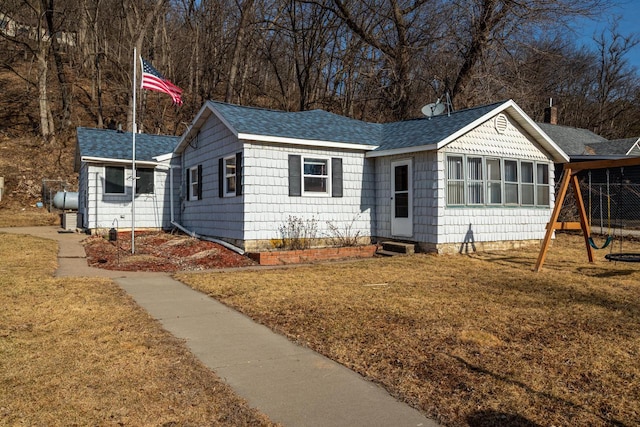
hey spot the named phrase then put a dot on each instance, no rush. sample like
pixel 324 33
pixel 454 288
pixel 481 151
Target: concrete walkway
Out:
pixel 291 384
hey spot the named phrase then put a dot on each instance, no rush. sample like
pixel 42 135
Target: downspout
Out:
pixel 192 233
pixel 209 239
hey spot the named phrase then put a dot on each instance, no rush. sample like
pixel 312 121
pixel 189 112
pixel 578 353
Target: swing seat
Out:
pixel 606 243
pixel 628 257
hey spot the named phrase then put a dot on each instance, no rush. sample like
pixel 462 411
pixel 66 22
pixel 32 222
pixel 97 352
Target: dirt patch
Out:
pixel 158 251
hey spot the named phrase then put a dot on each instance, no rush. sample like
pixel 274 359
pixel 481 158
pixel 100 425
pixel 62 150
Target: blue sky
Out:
pixel 629 12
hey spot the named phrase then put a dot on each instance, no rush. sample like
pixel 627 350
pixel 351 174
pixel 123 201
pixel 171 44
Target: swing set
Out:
pixel 570 177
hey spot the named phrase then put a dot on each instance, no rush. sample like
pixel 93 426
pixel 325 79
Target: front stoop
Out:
pixel 390 248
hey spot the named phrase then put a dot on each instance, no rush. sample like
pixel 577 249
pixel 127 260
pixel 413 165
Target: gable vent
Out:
pixel 501 123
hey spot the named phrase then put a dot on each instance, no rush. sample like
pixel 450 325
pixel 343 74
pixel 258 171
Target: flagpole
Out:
pixel 133 159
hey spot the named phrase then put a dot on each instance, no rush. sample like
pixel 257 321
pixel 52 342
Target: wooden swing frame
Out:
pixel 570 177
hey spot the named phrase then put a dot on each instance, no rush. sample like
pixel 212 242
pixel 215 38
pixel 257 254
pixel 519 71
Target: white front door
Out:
pixel 401 199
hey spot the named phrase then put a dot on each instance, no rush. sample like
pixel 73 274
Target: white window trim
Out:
pixel 531 184
pixel 489 181
pixel 457 180
pixel 193 195
pixel 326 193
pixel 226 192
pixel 469 181
pixel 485 182
pixel 543 185
pixel 516 182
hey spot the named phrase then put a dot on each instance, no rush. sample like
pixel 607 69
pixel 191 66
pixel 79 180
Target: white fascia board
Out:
pixel 559 156
pixel 454 136
pixel 164 157
pixel 523 120
pixel 88 159
pixel 400 151
pixel 306 142
pixel 196 124
pixel 635 145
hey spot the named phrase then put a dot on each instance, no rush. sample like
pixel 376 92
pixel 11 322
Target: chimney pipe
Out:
pixel 551 115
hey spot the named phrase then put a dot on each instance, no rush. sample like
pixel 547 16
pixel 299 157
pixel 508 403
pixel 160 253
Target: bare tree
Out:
pixel 398 30
pixel 482 28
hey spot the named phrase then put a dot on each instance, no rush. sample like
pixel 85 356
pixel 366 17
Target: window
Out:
pixel 193 184
pixel 542 185
pixel 114 180
pixel 230 176
pixel 315 175
pixel 455 181
pixel 472 180
pixel 144 184
pixel 528 195
pixel 494 182
pixel 511 182
pixel 401 191
pixel 475 185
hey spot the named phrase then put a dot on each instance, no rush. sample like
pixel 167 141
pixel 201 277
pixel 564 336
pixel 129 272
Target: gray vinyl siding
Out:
pixel 100 210
pixel 434 222
pixel 212 215
pixel 426 173
pixel 268 204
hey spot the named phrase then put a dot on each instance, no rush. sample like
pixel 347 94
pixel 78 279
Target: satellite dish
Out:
pixel 435 109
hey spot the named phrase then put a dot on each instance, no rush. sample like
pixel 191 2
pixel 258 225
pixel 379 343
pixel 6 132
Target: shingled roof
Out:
pixel 323 129
pixel 573 141
pixel 114 145
pixel 616 147
pixel 429 131
pixel 316 125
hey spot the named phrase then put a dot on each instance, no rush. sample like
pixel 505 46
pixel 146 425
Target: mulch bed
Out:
pixel 160 252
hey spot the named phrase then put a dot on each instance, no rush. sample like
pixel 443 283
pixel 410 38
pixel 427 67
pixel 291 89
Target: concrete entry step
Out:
pixel 398 247
pixel 382 252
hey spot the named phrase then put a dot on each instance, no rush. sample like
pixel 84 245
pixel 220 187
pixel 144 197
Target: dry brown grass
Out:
pixel 27 217
pixel 472 340
pixel 78 351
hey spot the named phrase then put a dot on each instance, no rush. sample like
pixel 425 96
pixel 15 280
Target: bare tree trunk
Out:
pixel 65 93
pixel 245 9
pixel 46 126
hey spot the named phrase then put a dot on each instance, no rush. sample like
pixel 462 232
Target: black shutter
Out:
pixel 221 177
pixel 188 181
pixel 238 174
pixel 199 182
pixel 336 177
pixel 295 178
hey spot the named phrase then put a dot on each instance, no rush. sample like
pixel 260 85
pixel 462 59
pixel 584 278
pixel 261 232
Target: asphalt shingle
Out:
pixel 573 141
pixel 321 125
pixel 429 131
pixel 316 125
pixel 111 144
pixel 614 147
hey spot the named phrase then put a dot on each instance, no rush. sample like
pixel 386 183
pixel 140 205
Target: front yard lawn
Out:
pixel 470 340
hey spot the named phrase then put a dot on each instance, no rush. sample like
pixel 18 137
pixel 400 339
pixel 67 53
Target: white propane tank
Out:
pixel 66 200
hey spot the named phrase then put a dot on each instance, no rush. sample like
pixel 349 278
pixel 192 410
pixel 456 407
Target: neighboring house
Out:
pixel 476 178
pixel 103 161
pixel 583 145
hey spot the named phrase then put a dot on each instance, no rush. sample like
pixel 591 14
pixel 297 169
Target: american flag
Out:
pixel 153 80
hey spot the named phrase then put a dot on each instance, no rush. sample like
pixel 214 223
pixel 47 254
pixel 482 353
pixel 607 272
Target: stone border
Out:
pixel 310 255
